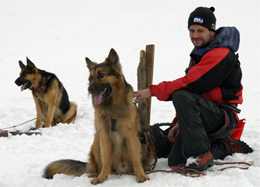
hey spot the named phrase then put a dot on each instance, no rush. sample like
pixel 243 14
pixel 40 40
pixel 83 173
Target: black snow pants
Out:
pixel 198 119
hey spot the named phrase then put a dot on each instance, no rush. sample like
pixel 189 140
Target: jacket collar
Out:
pixel 225 37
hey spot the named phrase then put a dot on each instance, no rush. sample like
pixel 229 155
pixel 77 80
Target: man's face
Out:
pixel 200 36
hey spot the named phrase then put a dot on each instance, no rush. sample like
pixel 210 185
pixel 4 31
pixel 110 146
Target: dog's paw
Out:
pixel 98 180
pixel 38 124
pixel 141 178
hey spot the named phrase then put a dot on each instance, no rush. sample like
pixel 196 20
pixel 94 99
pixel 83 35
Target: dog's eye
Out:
pixel 28 72
pixel 90 78
pixel 100 75
pixel 23 74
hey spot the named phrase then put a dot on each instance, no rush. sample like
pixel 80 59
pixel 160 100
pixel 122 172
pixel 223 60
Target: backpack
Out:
pixel 160 139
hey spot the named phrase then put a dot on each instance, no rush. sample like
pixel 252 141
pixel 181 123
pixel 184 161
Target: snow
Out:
pixel 58 35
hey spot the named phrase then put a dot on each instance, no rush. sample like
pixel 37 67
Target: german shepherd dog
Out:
pixel 51 98
pixel 116 148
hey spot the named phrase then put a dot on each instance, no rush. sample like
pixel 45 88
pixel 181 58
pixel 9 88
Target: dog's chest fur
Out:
pixel 118 141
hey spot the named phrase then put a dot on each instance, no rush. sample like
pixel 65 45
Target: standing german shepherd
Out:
pixel 51 98
pixel 116 148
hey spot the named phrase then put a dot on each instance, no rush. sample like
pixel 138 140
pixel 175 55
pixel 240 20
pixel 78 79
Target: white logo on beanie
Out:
pixel 198 20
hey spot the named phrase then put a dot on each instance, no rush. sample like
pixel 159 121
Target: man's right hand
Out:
pixel 142 94
pixel 174 132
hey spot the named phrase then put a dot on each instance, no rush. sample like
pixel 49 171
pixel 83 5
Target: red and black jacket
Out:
pixel 217 76
pixel 214 73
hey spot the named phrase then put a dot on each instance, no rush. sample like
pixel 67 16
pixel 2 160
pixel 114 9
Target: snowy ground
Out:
pixel 58 35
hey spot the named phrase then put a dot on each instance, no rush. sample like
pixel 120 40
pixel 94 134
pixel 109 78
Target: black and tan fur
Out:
pixel 118 149
pixel 51 98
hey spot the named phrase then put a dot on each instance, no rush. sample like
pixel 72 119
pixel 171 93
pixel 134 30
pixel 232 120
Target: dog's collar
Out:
pixel 40 90
pixel 42 87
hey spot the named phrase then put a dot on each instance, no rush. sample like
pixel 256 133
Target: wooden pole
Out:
pixel 141 79
pixel 149 76
pixel 145 79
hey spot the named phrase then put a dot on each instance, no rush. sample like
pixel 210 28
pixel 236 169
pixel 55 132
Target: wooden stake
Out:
pixel 149 76
pixel 141 79
pixel 145 79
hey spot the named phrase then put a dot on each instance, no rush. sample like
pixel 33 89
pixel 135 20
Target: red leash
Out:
pixel 180 169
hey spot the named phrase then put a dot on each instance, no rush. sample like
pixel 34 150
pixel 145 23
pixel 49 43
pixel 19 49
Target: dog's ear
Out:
pixel 113 57
pixel 21 64
pixel 30 63
pixel 90 64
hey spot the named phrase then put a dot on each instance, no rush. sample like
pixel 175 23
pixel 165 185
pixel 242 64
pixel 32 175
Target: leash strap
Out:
pixel 152 147
pixel 233 163
pixel 19 124
pixel 180 169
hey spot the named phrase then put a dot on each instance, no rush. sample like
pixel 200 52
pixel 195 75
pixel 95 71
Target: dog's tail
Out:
pixel 71 113
pixel 68 167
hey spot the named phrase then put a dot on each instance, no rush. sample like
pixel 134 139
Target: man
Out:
pixel 206 98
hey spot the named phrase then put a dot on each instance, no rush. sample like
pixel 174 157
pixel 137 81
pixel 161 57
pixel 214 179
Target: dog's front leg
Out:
pixel 106 156
pixel 38 112
pixel 51 110
pixel 134 149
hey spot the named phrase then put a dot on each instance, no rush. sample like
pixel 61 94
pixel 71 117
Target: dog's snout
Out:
pixel 17 82
pixel 91 89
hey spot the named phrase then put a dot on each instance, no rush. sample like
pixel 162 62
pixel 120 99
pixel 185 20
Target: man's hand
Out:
pixel 142 94
pixel 174 132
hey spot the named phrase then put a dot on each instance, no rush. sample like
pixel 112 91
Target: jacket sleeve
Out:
pixel 208 74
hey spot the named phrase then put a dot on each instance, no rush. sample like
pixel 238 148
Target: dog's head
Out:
pixel 27 78
pixel 104 77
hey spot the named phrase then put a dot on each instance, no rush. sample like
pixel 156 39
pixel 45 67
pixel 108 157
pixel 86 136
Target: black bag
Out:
pixel 160 139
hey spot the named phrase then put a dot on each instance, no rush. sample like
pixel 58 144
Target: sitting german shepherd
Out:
pixel 51 98
pixel 116 148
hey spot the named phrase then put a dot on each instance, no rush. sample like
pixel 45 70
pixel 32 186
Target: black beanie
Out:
pixel 203 16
